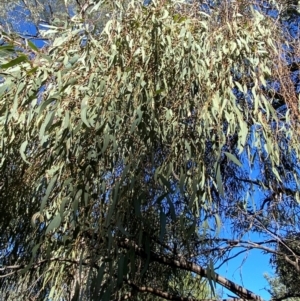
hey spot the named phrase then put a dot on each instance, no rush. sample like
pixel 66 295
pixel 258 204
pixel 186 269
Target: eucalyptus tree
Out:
pixel 126 147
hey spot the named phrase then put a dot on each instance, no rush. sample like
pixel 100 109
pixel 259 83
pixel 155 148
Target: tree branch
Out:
pixel 169 296
pixel 192 267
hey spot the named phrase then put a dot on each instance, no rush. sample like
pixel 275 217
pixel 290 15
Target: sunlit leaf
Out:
pixel 233 159
pixel 23 151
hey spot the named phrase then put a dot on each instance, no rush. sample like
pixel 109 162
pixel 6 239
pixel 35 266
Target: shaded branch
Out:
pixel 169 296
pixel 192 267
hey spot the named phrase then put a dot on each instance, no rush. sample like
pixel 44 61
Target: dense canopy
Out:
pixel 142 146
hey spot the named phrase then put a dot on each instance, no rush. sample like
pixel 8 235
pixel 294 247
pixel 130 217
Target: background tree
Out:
pixel 287 273
pixel 124 149
pixel 278 290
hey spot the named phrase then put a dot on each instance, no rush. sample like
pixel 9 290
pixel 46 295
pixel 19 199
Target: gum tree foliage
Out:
pixel 127 148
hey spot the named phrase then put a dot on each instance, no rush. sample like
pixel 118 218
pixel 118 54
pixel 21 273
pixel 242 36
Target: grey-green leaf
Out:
pixel 55 223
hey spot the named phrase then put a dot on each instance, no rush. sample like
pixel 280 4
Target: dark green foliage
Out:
pixel 288 273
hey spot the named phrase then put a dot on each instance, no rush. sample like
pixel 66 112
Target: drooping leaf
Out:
pixel 233 159
pixel 14 62
pixel 55 223
pixel 32 46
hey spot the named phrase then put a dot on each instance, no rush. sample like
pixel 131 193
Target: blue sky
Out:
pixel 247 270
